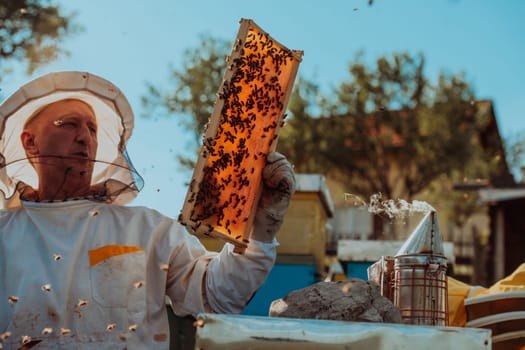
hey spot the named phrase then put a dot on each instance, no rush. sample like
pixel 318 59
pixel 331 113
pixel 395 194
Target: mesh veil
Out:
pixel 114 176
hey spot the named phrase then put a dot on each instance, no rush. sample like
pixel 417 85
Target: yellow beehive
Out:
pixel 304 231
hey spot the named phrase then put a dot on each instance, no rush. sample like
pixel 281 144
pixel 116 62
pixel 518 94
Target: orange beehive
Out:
pixel 242 130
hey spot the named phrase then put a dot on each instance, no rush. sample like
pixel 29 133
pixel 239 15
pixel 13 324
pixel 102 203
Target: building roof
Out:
pixel 488 195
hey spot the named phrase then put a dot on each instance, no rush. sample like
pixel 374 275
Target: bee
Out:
pixel 5 335
pixel 26 339
pixel 47 331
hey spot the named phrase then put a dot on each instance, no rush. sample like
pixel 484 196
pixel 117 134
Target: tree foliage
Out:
pixel 300 139
pixel 386 129
pixel 194 86
pixel 30 31
pixel 515 146
pixel 391 131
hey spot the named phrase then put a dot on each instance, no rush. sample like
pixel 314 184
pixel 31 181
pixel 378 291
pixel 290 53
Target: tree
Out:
pixel 388 130
pixel 300 138
pixel 195 87
pixel 515 146
pixel 391 131
pixel 30 31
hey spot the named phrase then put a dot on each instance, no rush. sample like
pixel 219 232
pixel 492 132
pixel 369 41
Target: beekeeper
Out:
pixel 78 269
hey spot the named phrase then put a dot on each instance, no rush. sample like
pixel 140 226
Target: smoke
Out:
pixel 398 209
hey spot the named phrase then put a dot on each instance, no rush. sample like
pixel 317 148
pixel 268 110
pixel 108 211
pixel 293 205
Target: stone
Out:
pixel 352 299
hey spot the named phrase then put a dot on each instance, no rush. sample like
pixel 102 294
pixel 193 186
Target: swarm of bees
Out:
pixel 242 130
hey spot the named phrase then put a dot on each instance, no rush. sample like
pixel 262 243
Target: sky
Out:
pixel 132 43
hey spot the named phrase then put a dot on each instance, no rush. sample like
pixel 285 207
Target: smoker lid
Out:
pixel 425 239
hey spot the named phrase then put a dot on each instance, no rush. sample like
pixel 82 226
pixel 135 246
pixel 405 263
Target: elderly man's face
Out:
pixel 64 133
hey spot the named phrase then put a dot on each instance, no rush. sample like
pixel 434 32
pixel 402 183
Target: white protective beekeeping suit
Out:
pixel 89 272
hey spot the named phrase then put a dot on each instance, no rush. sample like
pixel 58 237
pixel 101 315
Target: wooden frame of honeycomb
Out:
pixel 242 130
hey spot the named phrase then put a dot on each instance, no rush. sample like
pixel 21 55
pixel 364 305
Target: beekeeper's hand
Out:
pixel 278 187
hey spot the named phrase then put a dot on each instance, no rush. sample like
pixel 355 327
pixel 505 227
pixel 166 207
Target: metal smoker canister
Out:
pixel 420 280
pixel 420 289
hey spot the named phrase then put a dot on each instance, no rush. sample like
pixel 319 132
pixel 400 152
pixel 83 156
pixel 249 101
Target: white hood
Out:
pixel 114 116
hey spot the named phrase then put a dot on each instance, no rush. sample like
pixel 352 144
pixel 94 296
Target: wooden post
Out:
pixel 499 245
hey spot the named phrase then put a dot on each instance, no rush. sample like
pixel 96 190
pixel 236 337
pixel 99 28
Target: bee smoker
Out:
pixel 419 282
pixel 382 273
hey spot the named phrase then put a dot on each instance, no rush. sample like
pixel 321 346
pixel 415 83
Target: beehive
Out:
pixel 304 229
pixel 242 130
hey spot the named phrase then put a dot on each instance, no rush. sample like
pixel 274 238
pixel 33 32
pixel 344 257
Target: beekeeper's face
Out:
pixel 64 135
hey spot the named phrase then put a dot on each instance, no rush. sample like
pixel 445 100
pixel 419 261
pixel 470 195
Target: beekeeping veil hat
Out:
pixel 113 171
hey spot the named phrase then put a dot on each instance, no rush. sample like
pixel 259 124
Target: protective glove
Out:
pixel 278 187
